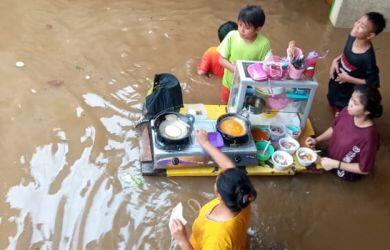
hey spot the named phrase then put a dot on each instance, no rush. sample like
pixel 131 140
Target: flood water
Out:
pixel 70 177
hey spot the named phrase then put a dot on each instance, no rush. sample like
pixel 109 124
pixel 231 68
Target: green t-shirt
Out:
pixel 234 48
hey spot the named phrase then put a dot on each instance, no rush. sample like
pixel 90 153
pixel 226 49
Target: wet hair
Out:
pixel 378 21
pixel 371 99
pixel 236 189
pixel 252 15
pixel 225 28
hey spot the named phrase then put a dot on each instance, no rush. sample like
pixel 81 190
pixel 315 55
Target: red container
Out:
pixel 310 67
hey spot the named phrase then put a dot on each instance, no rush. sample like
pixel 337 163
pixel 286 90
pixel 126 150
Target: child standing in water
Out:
pixel 210 59
pixel 357 64
pixel 245 44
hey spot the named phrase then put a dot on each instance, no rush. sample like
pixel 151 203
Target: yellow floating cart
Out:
pixel 213 112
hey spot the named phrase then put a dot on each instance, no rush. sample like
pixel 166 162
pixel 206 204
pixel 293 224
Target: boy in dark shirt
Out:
pixel 357 64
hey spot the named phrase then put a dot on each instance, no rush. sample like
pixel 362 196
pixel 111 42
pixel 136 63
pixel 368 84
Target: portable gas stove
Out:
pixel 192 154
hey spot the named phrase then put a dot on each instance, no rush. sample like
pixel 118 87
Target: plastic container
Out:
pixel 293 131
pixel 257 72
pixel 294 73
pixel 278 102
pixel 306 156
pixel 310 69
pixel 276 131
pixel 260 145
pixel 269 114
pixel 270 91
pixel 273 66
pixel 259 134
pixel 215 139
pixel 198 110
pixel 288 144
pixel 281 160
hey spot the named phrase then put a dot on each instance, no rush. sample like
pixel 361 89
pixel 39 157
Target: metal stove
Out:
pixel 192 154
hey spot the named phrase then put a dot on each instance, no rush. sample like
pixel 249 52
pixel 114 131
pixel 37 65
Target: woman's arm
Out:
pixel 179 233
pixel 220 158
pixel 311 142
pixel 226 64
pixel 326 135
pixel 330 164
pixel 334 67
pixel 345 77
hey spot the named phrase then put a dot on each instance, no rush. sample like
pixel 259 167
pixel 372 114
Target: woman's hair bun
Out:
pixel 236 189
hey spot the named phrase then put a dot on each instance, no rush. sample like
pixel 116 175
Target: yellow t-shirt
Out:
pixel 212 235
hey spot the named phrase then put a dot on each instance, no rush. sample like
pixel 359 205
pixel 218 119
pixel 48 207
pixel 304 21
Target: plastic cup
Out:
pixel 294 73
pixel 260 145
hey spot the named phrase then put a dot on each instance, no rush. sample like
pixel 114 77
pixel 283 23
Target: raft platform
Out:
pixel 213 112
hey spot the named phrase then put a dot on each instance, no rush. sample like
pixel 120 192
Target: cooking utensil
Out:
pixel 231 139
pixel 172 127
pixel 254 104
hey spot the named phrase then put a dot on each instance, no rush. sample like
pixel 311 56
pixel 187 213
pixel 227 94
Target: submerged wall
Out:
pixel 344 12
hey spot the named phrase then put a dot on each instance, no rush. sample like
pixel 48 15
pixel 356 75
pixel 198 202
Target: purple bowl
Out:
pixel 215 139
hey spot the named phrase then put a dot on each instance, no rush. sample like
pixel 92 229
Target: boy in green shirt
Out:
pixel 246 43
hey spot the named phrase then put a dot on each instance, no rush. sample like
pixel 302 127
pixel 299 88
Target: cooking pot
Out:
pixel 254 104
pixel 229 138
pixel 173 128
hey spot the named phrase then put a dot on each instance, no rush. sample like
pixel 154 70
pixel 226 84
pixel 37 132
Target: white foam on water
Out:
pixel 115 124
pixel 112 144
pixel 79 111
pixel 61 135
pixel 94 100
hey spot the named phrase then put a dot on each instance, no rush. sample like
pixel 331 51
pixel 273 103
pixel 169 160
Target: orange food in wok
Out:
pixel 232 127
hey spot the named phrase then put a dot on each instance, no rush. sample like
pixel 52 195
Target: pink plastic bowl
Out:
pixel 257 72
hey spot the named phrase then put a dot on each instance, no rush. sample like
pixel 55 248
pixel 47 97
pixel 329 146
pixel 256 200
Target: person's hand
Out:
pixel 311 142
pixel 329 164
pixel 201 137
pixel 178 231
pixel 343 77
pixel 334 68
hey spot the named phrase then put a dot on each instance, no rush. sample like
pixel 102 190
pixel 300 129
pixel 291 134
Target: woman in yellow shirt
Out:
pixel 223 222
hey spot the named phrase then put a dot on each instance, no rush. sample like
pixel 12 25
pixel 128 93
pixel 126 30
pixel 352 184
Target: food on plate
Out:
pixel 173 131
pixel 171 117
pixel 232 127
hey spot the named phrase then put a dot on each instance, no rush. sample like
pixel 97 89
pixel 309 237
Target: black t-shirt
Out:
pixel 361 66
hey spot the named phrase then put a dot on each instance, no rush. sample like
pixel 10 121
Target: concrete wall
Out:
pixel 345 12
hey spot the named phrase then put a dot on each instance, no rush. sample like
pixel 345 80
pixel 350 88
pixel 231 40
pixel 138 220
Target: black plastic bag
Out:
pixel 166 95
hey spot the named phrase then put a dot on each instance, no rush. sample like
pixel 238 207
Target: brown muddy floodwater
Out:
pixel 69 153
